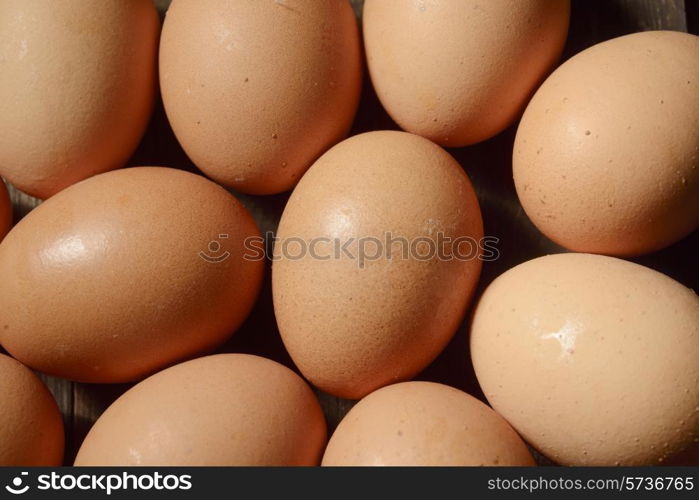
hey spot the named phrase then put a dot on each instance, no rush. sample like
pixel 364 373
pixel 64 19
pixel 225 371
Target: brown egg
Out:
pixel 460 71
pixel 257 90
pixel 31 428
pixel 228 409
pixel 384 281
pixel 592 359
pixel 125 273
pixel 423 423
pixel 606 158
pixel 77 86
pixel 5 210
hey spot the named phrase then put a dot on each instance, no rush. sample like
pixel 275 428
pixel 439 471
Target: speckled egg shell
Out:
pixel 353 325
pixel 77 85
pixel 227 409
pixel 592 359
pixel 423 423
pixel 606 158
pixel 31 428
pixel 460 71
pixel 124 273
pixel 5 210
pixel 256 90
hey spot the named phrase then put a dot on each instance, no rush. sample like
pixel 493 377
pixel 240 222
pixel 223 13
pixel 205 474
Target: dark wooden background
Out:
pixel 489 166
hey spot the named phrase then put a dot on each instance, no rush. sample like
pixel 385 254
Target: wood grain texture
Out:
pixel 489 166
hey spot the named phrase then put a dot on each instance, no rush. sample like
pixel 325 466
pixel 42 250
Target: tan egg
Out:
pixel 228 409
pixel 77 86
pixel 606 158
pixel 460 71
pixel 592 359
pixel 423 423
pixel 256 90
pixel 126 272
pixel 392 230
pixel 5 210
pixel 31 427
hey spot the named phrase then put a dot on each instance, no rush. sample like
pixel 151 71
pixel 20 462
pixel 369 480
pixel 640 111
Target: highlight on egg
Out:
pixel 460 71
pixel 125 273
pixel 77 88
pixel 606 159
pixel 221 410
pixel 378 253
pixel 256 91
pixel 424 424
pixel 31 427
pixel 592 359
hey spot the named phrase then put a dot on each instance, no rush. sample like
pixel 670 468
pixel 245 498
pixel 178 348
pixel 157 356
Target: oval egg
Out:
pixel 376 258
pixel 460 71
pixel 592 359
pixel 257 90
pixel 424 424
pixel 126 272
pixel 224 410
pixel 77 87
pixel 31 427
pixel 606 158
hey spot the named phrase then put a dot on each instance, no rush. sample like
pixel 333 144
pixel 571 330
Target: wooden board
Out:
pixel 489 166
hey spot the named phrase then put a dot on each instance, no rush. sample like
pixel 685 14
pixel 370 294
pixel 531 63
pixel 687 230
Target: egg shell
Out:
pixel 126 272
pixel 354 324
pixel 5 210
pixel 592 359
pixel 31 428
pixel 77 87
pixel 606 157
pixel 460 71
pixel 424 424
pixel 227 409
pixel 257 90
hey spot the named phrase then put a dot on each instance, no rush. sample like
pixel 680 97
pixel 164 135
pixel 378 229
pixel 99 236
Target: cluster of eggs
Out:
pixel 591 359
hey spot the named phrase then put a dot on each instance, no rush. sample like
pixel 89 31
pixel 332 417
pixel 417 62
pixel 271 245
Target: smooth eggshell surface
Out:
pixel 592 359
pixel 423 423
pixel 5 210
pixel 460 71
pixel 77 87
pixel 606 158
pixel 224 410
pixel 31 428
pixel 354 324
pixel 124 273
pixel 256 90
